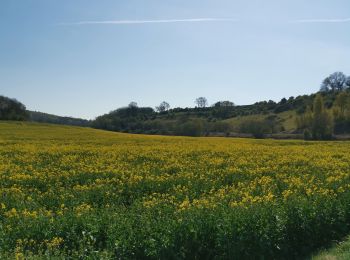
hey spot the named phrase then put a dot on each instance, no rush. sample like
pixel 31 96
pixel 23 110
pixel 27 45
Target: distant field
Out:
pixel 84 193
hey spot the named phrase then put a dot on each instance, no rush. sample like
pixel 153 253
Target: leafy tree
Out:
pixel 222 109
pixel 257 128
pixel 341 113
pixel 201 102
pixel 283 105
pixel 224 104
pixel 322 122
pixel 193 127
pixel 342 101
pixel 164 106
pixel 132 104
pixel 334 82
pixel 304 121
pixel 11 109
pixel 317 124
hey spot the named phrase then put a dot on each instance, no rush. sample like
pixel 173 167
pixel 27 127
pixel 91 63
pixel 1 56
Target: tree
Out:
pixel 132 104
pixel 224 104
pixel 347 83
pixel 341 113
pixel 342 101
pixel 258 128
pixel 334 82
pixel 164 106
pixel 317 124
pixel 322 122
pixel 11 109
pixel 193 127
pixel 304 121
pixel 201 102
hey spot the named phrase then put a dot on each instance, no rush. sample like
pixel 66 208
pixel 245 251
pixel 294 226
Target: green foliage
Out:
pixel 317 123
pixel 11 109
pixel 322 123
pixel 341 113
pixel 337 81
pixel 259 128
pixel 193 127
pixel 53 119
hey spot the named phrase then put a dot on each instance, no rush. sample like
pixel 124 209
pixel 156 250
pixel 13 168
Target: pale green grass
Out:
pixel 287 119
pixel 340 251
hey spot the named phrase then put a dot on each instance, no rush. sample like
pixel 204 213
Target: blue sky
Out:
pixel 84 58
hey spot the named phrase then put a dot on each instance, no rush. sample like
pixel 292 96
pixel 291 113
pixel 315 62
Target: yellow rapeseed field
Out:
pixel 84 193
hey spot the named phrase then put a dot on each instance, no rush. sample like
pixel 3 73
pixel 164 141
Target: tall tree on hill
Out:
pixel 132 104
pixel 201 102
pixel 164 106
pixel 347 83
pixel 334 82
pixel 225 103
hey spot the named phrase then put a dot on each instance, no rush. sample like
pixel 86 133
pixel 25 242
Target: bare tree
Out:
pixel 164 106
pixel 334 82
pixel 201 102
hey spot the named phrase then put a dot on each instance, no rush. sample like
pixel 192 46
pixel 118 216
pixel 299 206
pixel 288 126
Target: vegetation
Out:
pixel 201 120
pixel 11 109
pixel 53 119
pixel 70 192
pixel 340 251
pixel 322 120
pixel 318 123
pixel 318 116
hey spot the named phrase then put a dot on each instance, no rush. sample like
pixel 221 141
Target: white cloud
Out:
pixel 344 20
pixel 120 22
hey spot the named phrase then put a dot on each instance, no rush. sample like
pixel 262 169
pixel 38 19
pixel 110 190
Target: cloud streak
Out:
pixel 344 20
pixel 125 22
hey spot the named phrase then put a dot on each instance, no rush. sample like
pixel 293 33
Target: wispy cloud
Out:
pixel 121 22
pixel 344 20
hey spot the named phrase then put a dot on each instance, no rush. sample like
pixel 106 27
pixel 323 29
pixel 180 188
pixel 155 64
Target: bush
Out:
pixel 193 127
pixel 257 128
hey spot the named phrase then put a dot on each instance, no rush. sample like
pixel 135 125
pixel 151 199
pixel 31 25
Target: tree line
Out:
pixel 322 120
pixel 319 116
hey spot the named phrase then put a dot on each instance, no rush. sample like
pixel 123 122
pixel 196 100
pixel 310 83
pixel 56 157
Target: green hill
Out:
pixel 265 118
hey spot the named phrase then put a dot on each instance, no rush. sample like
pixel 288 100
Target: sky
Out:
pixel 84 58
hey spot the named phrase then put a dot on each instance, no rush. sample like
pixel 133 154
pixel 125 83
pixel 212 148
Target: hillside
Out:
pixel 221 119
pixel 265 118
pixel 72 192
pixel 40 117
